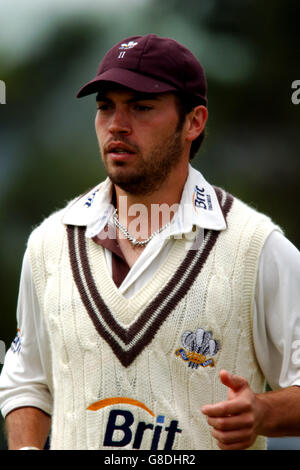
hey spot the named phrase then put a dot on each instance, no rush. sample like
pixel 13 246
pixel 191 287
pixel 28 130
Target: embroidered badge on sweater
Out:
pixel 198 346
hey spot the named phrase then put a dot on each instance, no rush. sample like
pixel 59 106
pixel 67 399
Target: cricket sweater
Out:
pixel 134 373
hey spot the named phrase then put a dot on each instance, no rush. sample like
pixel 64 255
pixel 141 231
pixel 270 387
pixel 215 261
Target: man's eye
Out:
pixel 142 107
pixel 102 107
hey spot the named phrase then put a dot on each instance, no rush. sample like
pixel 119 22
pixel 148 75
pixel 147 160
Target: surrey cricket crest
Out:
pixel 197 346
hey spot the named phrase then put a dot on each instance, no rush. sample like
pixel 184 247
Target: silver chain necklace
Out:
pixel 133 240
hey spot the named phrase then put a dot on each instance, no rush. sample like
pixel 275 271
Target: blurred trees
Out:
pixel 48 148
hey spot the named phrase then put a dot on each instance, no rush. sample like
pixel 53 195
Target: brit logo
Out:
pixel 197 346
pixel 201 200
pixel 124 429
pixel 124 47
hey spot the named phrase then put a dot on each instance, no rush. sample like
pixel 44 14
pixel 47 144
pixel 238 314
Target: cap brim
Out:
pixel 126 78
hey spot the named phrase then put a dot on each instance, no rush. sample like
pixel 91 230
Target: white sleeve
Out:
pixel 276 323
pixel 26 375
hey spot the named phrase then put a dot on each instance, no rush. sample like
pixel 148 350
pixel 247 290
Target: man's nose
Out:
pixel 120 122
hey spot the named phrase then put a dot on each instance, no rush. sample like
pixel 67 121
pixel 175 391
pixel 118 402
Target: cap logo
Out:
pixel 124 48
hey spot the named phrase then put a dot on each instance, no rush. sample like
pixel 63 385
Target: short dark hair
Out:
pixel 185 104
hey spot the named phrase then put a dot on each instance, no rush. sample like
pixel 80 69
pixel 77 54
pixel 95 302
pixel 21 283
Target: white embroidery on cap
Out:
pixel 124 48
pixel 128 45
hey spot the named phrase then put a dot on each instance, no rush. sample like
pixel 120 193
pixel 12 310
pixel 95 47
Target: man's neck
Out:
pixel 150 212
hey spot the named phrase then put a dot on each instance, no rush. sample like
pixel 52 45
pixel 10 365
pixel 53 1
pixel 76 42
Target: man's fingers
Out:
pixel 235 382
pixel 226 408
pixel 242 445
pixel 232 421
pixel 232 437
pixel 229 423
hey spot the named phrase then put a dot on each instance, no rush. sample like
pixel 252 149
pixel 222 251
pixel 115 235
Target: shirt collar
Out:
pixel 199 206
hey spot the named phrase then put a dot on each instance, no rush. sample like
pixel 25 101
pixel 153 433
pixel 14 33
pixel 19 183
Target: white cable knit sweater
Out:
pixel 134 373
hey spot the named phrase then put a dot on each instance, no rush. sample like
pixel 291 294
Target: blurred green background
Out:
pixel 48 148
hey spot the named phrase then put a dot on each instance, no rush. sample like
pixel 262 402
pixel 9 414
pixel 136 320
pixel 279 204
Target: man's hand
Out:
pixel 235 421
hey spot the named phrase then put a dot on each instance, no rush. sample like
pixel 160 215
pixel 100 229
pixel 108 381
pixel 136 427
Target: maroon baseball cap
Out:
pixel 150 64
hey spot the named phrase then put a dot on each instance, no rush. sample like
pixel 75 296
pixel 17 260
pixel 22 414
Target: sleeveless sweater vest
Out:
pixel 134 373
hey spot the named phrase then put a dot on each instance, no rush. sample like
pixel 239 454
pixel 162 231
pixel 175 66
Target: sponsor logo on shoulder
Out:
pixel 17 343
pixel 201 200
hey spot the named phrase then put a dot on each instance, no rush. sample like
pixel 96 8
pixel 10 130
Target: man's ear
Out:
pixel 196 121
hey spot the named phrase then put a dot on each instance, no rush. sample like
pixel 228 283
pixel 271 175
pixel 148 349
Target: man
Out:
pixel 153 309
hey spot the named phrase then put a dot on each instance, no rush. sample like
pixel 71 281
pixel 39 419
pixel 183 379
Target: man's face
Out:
pixel 138 138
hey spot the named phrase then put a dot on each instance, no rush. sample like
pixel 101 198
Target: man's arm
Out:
pixel 25 380
pixel 27 426
pixel 237 422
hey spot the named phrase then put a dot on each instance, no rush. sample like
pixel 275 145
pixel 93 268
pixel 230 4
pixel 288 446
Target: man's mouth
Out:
pixel 118 151
pixel 119 147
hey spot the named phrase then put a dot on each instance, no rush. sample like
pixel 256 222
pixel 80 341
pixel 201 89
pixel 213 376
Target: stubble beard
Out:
pixel 150 173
